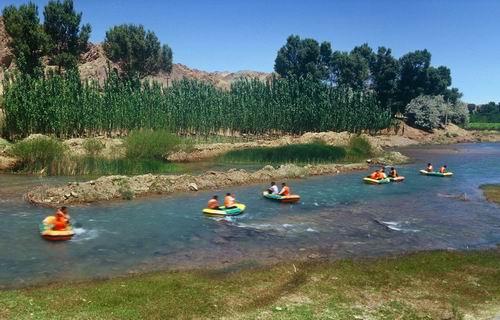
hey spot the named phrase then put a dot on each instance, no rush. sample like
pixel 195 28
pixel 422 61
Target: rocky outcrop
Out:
pixel 123 187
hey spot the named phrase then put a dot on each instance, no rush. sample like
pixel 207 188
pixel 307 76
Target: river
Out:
pixel 338 217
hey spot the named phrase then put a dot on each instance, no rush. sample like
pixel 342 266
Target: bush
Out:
pixel 39 153
pixel 425 112
pixel 431 112
pixel 359 147
pixel 93 146
pixel 459 114
pixel 295 153
pixel 146 144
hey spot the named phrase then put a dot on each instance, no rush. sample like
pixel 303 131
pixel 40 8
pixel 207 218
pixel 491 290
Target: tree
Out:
pixel 137 51
pixel 385 73
pixel 28 40
pixel 419 78
pixel 303 58
pixel 67 39
pixel 349 70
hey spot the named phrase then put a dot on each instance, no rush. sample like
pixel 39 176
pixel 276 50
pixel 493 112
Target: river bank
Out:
pixel 426 285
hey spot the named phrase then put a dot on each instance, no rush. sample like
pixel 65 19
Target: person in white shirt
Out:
pixel 273 189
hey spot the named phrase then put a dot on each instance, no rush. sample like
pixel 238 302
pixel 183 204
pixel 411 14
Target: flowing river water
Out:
pixel 338 216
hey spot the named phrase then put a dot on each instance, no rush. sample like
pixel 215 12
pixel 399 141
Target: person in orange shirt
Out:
pixel 443 169
pixel 229 201
pixel 374 175
pixel 285 190
pixel 60 222
pixel 213 203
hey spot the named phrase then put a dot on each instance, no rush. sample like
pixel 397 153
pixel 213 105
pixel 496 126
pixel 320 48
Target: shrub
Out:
pixel 359 147
pixel 459 114
pixel 425 112
pixel 146 144
pixel 39 153
pixel 295 153
pixel 93 146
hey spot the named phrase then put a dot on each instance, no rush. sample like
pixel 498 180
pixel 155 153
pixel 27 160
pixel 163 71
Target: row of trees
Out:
pixel 395 81
pixel 64 106
pixel 489 112
pixel 62 39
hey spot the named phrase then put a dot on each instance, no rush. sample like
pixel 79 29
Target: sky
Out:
pixel 235 35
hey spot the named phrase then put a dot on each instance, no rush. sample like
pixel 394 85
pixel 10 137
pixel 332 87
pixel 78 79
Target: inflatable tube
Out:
pixel 55 235
pixel 226 212
pixel 397 179
pixel 373 181
pixel 436 174
pixel 285 199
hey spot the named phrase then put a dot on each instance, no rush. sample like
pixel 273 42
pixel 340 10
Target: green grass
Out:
pixel 492 192
pixel 427 285
pixel 40 154
pixel 316 152
pixel 149 144
pixel 50 156
pixel 484 126
pixel 96 166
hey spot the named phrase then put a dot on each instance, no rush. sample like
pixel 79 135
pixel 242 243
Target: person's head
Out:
pixel 429 164
pixel 59 214
pixel 283 184
pixel 215 197
pixel 382 169
pixel 228 194
pixel 64 209
pixel 445 166
pixel 273 183
pixel 392 169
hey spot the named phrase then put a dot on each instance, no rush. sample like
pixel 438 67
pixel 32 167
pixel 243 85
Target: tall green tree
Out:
pixel 418 77
pixel 349 70
pixel 303 58
pixel 67 39
pixel 137 51
pixel 28 40
pixel 385 73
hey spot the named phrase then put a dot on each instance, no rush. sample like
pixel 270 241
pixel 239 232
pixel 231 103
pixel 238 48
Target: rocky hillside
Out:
pixel 94 65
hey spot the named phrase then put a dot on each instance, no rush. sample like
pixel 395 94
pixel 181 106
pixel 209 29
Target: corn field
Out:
pixel 66 107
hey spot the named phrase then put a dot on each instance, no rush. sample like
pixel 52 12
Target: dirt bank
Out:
pixel 123 187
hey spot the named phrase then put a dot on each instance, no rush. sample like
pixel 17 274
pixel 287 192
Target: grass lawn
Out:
pixel 484 126
pixel 492 192
pixel 427 285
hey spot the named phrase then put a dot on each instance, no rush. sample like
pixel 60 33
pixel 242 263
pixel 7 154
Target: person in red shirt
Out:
pixel 285 190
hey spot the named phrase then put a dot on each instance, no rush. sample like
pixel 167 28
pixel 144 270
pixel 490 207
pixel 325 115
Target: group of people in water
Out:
pixel 230 201
pixel 431 169
pixel 380 173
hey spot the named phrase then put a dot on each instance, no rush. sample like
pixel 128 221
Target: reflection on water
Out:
pixel 338 217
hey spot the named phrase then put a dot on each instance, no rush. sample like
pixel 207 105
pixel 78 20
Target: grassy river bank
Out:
pixel 426 285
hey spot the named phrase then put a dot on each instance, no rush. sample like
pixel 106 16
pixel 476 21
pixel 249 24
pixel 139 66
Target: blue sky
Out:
pixel 245 35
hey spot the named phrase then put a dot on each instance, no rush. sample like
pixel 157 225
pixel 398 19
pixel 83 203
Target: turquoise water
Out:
pixel 338 216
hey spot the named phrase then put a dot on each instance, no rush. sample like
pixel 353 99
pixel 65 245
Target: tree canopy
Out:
pixel 137 51
pixel 303 58
pixel 28 40
pixel 395 81
pixel 66 39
